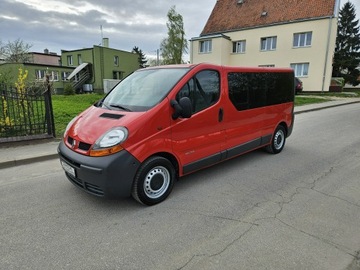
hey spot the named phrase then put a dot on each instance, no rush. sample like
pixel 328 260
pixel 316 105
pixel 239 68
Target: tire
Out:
pixel 278 141
pixel 154 181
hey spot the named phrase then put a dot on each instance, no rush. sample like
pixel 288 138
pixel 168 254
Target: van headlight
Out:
pixel 110 142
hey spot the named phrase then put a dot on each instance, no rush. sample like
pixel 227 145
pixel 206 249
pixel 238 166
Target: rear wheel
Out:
pixel 278 141
pixel 154 181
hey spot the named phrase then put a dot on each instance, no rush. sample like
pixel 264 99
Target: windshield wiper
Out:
pixel 120 107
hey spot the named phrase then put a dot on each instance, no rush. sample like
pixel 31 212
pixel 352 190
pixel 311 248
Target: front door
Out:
pixel 197 140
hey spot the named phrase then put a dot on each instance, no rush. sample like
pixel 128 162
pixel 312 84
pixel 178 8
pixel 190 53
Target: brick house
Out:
pixel 294 33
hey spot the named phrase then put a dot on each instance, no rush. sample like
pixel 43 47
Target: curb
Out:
pixel 326 107
pixel 26 161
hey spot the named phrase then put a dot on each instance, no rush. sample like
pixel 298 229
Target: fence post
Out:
pixel 49 109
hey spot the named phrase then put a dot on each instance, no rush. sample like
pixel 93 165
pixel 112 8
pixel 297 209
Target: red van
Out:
pixel 164 122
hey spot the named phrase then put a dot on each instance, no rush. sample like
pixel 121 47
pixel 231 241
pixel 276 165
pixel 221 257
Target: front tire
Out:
pixel 154 181
pixel 278 141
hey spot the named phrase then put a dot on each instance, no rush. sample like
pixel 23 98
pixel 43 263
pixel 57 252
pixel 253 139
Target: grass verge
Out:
pixel 67 107
pixel 299 100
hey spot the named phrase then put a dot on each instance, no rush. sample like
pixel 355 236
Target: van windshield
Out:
pixel 143 89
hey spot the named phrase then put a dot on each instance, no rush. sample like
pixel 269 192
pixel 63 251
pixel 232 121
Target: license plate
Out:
pixel 67 168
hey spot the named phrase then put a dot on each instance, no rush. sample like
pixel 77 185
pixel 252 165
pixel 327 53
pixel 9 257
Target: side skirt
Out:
pixel 227 154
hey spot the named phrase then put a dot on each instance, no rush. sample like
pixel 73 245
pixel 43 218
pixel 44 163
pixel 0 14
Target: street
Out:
pixel 299 209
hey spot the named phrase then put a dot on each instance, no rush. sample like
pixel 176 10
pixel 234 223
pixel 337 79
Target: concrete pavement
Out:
pixel 36 151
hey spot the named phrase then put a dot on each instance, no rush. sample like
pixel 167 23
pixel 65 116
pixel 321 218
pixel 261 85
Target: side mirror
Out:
pixel 183 108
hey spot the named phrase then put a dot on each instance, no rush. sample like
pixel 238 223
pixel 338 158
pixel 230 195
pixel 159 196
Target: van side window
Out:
pixel 203 90
pixel 239 88
pixel 255 90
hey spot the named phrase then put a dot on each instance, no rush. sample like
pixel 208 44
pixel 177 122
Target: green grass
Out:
pixel 67 107
pixel 299 101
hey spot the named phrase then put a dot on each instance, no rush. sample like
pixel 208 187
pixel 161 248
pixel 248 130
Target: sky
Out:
pixel 74 24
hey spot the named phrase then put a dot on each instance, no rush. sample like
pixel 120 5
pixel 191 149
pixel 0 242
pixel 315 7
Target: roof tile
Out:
pixel 229 15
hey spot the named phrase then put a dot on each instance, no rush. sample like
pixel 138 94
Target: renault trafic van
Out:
pixel 164 122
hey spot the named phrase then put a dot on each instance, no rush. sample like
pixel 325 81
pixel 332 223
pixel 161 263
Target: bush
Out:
pixel 69 90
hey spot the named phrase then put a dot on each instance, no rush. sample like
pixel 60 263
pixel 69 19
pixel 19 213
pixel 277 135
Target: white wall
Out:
pixel 319 55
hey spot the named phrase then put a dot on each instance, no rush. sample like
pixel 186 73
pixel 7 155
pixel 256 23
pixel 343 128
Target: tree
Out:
pixel 347 50
pixel 173 47
pixel 142 58
pixel 15 52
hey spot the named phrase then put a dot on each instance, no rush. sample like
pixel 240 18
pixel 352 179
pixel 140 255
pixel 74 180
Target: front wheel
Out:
pixel 278 141
pixel 154 181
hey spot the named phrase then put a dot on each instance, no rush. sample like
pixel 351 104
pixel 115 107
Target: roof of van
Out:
pixel 230 68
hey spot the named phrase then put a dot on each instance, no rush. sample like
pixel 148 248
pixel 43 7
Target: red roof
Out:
pixel 229 15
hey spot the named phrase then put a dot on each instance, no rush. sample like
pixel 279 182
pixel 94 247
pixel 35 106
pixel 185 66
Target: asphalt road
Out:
pixel 296 210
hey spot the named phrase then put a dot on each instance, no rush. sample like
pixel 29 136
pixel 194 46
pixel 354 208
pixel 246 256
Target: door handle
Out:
pixel 221 114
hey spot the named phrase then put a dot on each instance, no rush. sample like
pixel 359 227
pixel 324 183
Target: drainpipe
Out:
pixel 335 15
pixel 327 53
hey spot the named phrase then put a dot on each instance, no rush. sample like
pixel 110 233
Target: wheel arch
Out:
pixel 285 126
pixel 169 157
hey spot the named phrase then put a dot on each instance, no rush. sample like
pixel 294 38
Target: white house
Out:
pixel 277 33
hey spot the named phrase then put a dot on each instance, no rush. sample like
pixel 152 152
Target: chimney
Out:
pixel 105 42
pixel 46 51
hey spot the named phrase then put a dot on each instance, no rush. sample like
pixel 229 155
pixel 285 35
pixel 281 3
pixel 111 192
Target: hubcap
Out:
pixel 279 139
pixel 156 182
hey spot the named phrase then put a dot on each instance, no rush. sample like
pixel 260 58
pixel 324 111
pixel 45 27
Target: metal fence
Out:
pixel 25 116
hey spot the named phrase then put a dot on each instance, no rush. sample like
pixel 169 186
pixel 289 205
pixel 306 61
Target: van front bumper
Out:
pixel 108 176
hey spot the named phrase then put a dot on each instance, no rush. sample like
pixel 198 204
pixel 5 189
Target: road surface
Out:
pixel 299 209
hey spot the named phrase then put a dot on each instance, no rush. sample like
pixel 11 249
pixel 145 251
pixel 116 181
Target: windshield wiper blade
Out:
pixel 120 107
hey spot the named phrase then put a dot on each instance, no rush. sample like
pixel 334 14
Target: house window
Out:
pixel 70 60
pixel 302 39
pixel 79 59
pixel 205 46
pixel 64 75
pixel 40 74
pixel 118 75
pixel 268 43
pixel 239 46
pixel 116 60
pixel 54 76
pixel 301 69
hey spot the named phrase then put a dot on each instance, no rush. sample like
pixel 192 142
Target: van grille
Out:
pixel 82 145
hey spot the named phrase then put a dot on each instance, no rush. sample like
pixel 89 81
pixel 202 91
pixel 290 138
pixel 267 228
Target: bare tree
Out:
pixel 15 52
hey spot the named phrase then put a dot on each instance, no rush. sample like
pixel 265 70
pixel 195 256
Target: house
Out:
pixel 295 33
pixel 86 69
pixel 38 66
pixel 98 66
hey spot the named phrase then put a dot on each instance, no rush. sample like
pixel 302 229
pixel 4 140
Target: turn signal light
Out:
pixel 105 151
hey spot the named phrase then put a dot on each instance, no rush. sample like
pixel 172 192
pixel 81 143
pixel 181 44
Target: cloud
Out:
pixel 72 24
